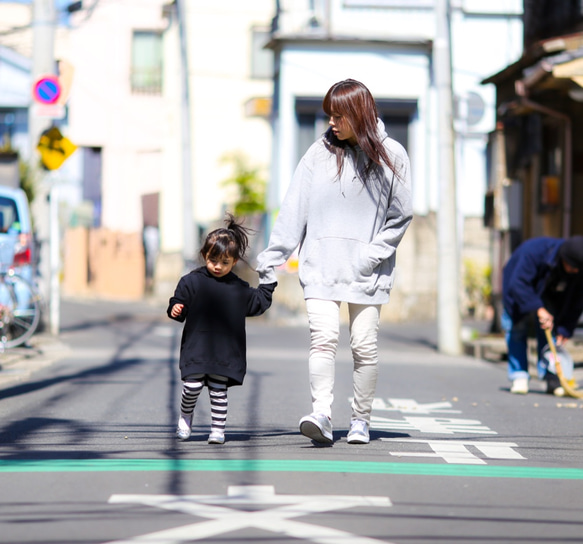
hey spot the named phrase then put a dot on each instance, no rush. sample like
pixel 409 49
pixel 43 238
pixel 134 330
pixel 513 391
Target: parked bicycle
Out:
pixel 19 308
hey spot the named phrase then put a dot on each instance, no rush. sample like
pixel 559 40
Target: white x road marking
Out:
pixel 276 519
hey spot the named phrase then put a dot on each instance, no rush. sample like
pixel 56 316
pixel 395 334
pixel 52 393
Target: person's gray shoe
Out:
pixel 318 427
pixel 358 433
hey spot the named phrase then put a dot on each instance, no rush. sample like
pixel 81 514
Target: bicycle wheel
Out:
pixel 19 310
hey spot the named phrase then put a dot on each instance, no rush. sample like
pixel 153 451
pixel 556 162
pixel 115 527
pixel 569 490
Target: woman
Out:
pixel 347 207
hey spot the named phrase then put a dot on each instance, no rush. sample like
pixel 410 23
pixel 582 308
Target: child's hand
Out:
pixel 176 310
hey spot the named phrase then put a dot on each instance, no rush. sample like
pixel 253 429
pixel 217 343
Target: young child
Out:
pixel 214 302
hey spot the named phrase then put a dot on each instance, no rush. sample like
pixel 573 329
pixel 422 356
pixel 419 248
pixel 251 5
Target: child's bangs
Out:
pixel 221 247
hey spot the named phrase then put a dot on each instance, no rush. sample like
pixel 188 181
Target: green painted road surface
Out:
pixel 266 465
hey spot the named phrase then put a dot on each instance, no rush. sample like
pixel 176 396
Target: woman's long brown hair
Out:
pixel 352 100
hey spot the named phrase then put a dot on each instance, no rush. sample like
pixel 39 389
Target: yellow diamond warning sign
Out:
pixel 54 148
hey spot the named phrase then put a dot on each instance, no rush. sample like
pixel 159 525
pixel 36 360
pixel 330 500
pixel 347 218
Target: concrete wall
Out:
pixel 103 263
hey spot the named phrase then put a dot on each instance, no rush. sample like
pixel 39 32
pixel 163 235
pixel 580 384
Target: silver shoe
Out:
pixel 358 433
pixel 318 427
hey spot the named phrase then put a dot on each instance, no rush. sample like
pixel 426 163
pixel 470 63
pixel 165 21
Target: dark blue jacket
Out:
pixel 532 268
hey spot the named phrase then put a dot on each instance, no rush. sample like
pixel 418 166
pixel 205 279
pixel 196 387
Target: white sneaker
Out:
pixel 318 427
pixel 358 433
pixel 216 437
pixel 559 392
pixel 183 430
pixel 520 386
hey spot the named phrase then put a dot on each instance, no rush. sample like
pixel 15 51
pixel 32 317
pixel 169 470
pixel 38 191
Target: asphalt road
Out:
pixel 88 452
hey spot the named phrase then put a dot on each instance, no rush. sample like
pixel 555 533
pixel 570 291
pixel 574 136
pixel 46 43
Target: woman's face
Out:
pixel 342 129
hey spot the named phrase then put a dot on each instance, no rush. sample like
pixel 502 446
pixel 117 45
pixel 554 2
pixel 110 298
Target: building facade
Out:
pixel 536 176
pixel 256 73
pixel 388 45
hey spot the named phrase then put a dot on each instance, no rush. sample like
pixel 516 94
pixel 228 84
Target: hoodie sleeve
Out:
pixel 398 217
pixel 290 226
pixel 260 299
pixel 184 293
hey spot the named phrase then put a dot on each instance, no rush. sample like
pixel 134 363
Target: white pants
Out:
pixel 324 319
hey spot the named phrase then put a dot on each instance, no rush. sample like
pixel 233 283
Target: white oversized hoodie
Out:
pixel 348 232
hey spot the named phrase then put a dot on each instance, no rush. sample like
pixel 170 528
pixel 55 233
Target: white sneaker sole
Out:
pixel 310 429
pixel 358 439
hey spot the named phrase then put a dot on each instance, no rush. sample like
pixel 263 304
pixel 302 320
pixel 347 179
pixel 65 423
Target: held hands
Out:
pixel 545 319
pixel 176 310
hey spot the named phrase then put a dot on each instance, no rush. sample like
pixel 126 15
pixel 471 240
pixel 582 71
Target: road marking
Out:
pixel 451 451
pixel 275 518
pixel 411 406
pixel 439 425
pixel 457 452
pixel 290 465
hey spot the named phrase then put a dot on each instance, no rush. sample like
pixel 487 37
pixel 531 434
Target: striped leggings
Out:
pixel 217 386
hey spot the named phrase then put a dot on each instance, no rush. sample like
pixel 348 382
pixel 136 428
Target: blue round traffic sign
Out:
pixel 47 89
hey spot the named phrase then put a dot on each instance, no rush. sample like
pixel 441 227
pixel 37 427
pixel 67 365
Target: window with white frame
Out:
pixel 146 70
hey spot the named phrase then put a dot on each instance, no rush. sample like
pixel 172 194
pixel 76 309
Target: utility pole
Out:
pixel 43 59
pixel 43 63
pixel 448 272
pixel 188 219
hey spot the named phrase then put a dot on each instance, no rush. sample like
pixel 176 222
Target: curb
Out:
pixel 18 364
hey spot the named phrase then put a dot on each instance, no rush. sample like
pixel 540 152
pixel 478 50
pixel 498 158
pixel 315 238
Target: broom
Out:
pixel 564 382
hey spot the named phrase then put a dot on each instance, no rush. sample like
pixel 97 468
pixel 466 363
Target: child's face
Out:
pixel 220 266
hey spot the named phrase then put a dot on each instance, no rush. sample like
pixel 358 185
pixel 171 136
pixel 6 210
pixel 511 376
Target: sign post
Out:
pixel 54 150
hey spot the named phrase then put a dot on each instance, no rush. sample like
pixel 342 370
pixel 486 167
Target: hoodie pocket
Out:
pixel 331 261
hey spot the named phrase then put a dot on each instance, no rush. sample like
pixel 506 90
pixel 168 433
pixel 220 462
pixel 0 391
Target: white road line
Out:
pixel 457 452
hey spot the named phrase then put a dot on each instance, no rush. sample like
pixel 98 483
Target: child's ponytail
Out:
pixel 232 240
pixel 240 233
